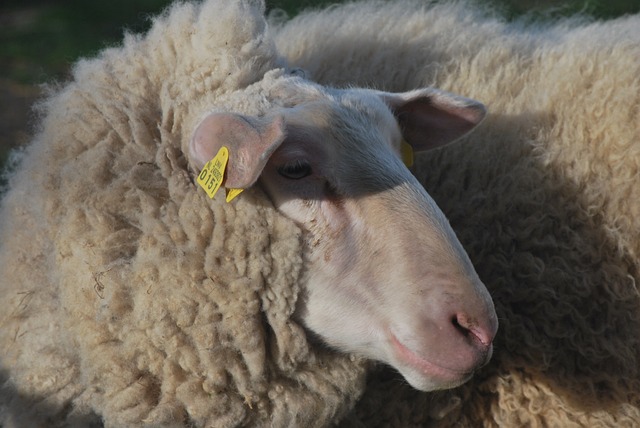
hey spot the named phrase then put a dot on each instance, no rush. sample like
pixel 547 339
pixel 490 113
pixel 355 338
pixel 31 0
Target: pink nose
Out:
pixel 452 340
pixel 465 342
pixel 480 333
pixel 447 346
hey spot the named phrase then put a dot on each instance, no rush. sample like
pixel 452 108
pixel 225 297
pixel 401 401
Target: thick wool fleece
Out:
pixel 545 196
pixel 129 297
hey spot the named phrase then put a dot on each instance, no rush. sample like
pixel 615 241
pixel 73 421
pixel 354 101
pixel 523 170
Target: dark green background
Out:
pixel 40 39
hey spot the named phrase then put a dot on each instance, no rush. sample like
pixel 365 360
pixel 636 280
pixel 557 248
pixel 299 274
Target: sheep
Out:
pixel 132 298
pixel 544 195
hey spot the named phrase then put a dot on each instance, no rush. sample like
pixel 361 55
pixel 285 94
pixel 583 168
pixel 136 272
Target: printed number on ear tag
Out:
pixel 407 153
pixel 212 175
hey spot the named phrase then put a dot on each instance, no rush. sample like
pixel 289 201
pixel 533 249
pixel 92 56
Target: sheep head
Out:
pixel 386 276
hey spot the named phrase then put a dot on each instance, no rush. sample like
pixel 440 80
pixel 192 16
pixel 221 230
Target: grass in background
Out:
pixel 40 39
pixel 602 9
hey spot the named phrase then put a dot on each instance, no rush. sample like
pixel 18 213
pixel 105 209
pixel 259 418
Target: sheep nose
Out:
pixel 478 331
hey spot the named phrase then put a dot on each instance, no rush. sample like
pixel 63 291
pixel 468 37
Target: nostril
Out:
pixel 471 328
pixel 456 324
pixel 455 320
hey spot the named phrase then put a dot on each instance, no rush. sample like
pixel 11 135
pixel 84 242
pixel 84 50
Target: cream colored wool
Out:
pixel 129 297
pixel 545 196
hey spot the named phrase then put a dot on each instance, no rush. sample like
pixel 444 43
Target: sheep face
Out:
pixel 386 276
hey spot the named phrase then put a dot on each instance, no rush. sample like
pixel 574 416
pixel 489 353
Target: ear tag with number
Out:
pixel 407 153
pixel 212 175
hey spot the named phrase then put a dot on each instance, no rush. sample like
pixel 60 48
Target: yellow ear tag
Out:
pixel 232 193
pixel 407 153
pixel 212 175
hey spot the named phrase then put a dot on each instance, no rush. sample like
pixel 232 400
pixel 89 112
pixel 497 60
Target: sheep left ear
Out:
pixel 431 118
pixel 250 141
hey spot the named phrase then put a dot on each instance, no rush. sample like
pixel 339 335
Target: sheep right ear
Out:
pixel 250 140
pixel 431 118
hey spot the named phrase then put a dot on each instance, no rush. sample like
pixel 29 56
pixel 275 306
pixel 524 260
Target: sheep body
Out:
pixel 544 196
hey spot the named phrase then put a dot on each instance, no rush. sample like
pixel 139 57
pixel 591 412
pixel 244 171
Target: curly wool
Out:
pixel 129 297
pixel 544 195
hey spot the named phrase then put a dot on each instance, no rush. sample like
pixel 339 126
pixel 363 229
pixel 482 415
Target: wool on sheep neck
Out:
pixel 132 298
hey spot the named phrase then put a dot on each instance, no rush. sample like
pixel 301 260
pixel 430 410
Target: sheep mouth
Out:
pixel 432 376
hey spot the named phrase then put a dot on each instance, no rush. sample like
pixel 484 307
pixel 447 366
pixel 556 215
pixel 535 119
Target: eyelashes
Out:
pixel 295 170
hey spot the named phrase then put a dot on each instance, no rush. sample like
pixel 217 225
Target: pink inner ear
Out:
pixel 253 149
pixel 207 138
pixel 250 141
pixel 429 118
pixel 426 125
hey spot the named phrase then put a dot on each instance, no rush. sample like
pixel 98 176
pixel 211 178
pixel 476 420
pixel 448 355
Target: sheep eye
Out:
pixel 295 170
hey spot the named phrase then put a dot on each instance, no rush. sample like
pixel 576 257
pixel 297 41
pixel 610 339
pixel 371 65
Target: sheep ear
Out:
pixel 430 118
pixel 250 140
